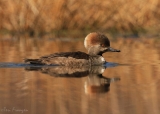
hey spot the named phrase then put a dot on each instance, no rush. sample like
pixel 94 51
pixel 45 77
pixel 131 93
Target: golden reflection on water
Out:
pixel 34 92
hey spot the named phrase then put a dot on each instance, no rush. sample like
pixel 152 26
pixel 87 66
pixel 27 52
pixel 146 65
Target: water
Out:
pixel 129 84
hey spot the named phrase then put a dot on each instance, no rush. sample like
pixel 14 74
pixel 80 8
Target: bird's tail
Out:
pixel 33 61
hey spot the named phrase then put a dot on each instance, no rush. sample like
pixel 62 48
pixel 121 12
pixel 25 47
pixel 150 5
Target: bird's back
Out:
pixel 64 58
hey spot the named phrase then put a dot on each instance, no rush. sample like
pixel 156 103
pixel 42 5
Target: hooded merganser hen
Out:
pixel 95 43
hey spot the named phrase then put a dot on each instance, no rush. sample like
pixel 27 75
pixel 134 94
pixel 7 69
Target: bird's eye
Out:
pixel 102 45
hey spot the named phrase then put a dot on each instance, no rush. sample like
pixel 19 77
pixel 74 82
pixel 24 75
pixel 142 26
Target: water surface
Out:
pixel 44 91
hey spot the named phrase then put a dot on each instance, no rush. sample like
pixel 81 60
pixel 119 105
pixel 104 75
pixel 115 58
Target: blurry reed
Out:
pixel 39 16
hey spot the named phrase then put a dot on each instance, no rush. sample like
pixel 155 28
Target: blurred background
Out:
pixel 39 17
pixel 34 28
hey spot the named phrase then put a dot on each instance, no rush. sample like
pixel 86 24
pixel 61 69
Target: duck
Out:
pixel 96 43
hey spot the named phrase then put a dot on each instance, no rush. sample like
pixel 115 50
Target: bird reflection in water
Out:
pixel 95 83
